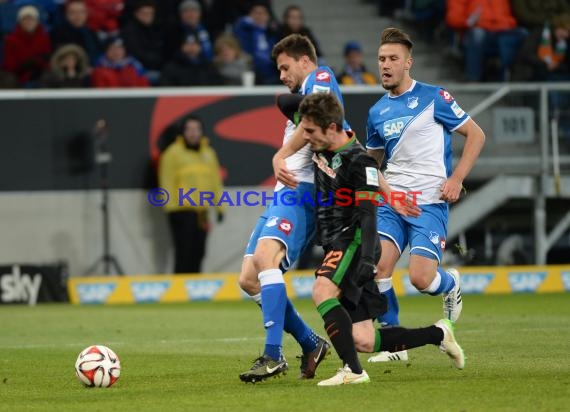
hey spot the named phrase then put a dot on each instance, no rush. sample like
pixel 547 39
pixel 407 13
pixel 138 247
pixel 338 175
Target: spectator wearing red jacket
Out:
pixel 104 16
pixel 27 48
pixel 490 29
pixel 116 69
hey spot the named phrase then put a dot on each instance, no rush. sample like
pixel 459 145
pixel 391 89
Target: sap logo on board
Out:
pixel 475 282
pixel 526 281
pixel 148 291
pixel 303 286
pixel 202 289
pixel 95 292
pixel 565 274
pixel 408 287
pixel 19 287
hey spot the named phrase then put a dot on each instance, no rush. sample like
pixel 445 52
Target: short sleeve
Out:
pixel 447 111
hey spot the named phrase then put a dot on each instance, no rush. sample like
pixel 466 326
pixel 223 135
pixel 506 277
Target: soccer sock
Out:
pixel 442 283
pixel 390 317
pixel 398 339
pixel 339 328
pixel 302 333
pixel 274 298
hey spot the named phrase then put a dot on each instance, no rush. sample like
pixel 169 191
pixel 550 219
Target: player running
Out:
pixel 282 232
pixel 344 292
pixel 412 126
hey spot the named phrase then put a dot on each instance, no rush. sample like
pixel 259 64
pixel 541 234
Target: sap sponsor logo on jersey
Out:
pixel 457 110
pixel 323 76
pixel 202 289
pixel 393 128
pixel 526 281
pixel 566 280
pixel 303 286
pixel 475 282
pixel 95 292
pixel 148 291
pixel 19 287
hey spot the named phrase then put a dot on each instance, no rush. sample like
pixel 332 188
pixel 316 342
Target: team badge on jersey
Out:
pixel 323 76
pixel 336 161
pixel 434 237
pixel 445 95
pixel 272 221
pixel 413 102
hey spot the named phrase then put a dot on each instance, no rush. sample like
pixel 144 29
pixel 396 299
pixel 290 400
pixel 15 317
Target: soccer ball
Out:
pixel 98 365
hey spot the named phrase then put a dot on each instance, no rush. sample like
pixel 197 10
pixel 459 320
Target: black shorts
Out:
pixel 339 265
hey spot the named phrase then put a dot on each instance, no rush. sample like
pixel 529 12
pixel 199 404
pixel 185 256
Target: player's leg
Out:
pixel 427 243
pixel 393 240
pixel 392 229
pixel 388 259
pixel 332 277
pixel 395 339
pixel 277 241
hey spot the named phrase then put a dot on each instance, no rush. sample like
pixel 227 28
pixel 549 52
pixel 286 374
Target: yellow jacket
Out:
pixel 183 168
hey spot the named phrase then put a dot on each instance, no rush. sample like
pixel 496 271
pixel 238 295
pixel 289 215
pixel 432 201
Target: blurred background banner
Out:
pixel 224 287
pixel 31 284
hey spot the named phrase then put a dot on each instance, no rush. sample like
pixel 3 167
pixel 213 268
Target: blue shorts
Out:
pixel 425 234
pixel 293 225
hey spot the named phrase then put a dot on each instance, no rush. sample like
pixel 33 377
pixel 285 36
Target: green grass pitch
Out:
pixel 187 357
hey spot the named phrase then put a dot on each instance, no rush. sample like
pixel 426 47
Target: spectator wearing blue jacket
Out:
pixel 257 36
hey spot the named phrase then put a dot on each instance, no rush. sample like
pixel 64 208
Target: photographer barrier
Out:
pixel 218 287
pixel 31 284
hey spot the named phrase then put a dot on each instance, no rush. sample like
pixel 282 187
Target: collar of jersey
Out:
pixel 406 92
pixel 351 141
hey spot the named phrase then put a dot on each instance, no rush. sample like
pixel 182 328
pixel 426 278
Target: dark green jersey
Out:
pixel 342 177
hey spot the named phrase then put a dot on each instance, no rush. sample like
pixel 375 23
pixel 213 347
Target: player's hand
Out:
pixel 283 174
pixel 406 207
pixel 365 271
pixel 451 190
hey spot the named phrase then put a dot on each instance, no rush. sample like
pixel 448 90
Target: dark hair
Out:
pixel 295 46
pixel 323 109
pixel 393 35
pixel 191 118
pixel 289 9
pixel 144 3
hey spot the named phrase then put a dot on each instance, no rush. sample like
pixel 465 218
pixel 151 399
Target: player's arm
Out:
pixel 474 141
pixel 288 104
pixel 366 178
pixel 403 206
pixel 293 145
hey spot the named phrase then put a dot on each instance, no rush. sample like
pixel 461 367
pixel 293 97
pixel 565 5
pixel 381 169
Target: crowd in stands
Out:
pixel 141 43
pixel 497 40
